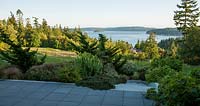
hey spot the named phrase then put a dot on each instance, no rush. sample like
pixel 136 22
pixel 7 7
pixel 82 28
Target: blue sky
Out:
pixel 96 13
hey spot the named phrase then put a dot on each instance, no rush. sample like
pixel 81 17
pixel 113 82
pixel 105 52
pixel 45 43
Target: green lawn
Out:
pixel 57 59
pixel 53 56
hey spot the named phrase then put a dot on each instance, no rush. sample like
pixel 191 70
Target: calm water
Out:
pixel 129 36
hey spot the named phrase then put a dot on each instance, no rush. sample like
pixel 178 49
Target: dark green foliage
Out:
pixel 103 81
pixel 109 54
pixel 69 73
pixel 89 65
pixel 129 68
pixel 179 90
pixel 190 51
pixel 84 44
pixel 173 63
pixel 122 79
pixel 151 94
pixel 165 44
pixel 187 16
pixel 156 74
pixel 110 72
pixel 96 83
pixel 166 32
pixel 118 63
pixel 17 54
pixel 195 73
pixel 135 69
pixel 137 45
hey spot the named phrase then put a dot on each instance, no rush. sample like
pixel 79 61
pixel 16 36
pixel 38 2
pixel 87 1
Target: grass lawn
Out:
pixel 57 59
pixel 55 52
pixel 53 56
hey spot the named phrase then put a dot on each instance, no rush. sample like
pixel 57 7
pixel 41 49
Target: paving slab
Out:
pixel 36 93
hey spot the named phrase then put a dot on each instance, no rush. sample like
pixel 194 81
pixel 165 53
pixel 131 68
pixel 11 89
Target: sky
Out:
pixel 96 13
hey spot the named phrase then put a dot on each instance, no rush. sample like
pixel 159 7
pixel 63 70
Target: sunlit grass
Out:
pixel 54 52
pixel 53 56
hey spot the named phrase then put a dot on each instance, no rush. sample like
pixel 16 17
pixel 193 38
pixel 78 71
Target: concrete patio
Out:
pixel 28 93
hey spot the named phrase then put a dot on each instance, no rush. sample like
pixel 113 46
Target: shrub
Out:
pixel 156 74
pixel 195 73
pixel 89 65
pixel 64 72
pixel 104 81
pixel 142 74
pixel 179 90
pixel 135 76
pixel 69 73
pixel 122 79
pixel 11 72
pixel 100 83
pixel 173 63
pixel 109 70
pixel 151 94
pixel 133 67
pixel 111 75
pixel 129 68
pixel 45 72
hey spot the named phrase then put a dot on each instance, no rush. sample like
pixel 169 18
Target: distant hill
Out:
pixel 157 31
pixel 166 31
pixel 96 29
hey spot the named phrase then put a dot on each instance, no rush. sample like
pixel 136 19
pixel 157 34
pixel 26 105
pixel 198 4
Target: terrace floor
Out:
pixel 33 93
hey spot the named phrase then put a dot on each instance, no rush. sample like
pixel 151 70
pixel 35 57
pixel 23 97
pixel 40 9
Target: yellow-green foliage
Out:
pixel 151 47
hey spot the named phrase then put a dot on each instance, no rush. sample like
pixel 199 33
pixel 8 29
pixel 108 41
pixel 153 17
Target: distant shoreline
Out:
pixel 148 30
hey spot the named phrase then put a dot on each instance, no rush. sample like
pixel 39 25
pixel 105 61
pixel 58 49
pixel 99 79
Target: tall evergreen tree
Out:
pixel 151 47
pixel 19 14
pixel 191 47
pixel 187 16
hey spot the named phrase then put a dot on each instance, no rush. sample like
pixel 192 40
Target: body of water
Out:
pixel 130 36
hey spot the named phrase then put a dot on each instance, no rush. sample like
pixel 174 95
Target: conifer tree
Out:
pixel 84 44
pixel 187 16
pixel 151 47
pixel 17 54
pixel 18 38
pixel 137 45
pixel 190 51
pixel 110 54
